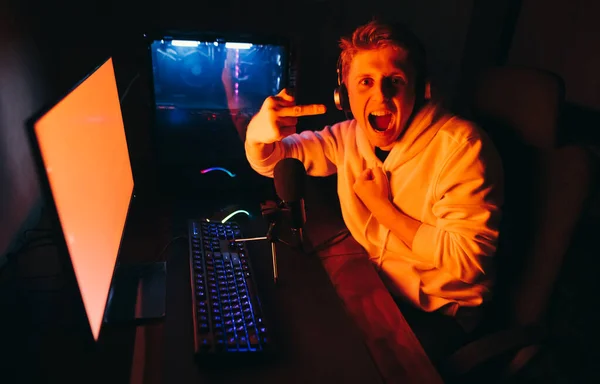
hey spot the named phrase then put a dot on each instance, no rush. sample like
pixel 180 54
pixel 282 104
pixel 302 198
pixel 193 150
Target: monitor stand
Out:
pixel 137 294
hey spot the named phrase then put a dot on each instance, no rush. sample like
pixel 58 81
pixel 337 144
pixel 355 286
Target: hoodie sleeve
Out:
pixel 468 197
pixel 317 150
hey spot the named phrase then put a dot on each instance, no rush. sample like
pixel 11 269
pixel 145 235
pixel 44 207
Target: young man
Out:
pixel 419 189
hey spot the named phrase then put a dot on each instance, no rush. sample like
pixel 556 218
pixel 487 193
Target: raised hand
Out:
pixel 278 117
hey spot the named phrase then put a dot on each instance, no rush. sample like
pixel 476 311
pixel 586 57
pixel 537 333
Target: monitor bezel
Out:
pixel 50 203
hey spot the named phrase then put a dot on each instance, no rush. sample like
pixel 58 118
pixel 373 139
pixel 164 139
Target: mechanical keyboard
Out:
pixel 227 311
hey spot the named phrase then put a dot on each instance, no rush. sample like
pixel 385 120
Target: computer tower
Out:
pixel 206 87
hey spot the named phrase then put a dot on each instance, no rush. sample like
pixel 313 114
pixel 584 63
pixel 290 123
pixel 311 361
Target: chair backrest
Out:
pixel 545 185
pixel 526 100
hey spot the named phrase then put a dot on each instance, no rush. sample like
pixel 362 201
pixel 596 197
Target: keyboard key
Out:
pixel 253 339
pixel 204 343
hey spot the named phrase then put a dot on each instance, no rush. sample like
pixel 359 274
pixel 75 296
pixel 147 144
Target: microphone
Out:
pixel 290 180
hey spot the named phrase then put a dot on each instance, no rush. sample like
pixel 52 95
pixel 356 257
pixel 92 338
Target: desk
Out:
pixel 305 287
pixel 316 340
pixel 319 341
pixel 391 342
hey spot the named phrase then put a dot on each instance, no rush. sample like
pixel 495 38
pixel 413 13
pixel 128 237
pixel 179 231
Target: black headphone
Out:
pixel 340 94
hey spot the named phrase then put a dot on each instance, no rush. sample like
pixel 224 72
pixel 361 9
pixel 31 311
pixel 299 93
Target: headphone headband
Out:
pixel 339 71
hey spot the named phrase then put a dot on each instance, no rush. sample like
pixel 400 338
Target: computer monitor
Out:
pixel 84 166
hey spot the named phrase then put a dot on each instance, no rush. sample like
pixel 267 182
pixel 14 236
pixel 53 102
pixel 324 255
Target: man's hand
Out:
pixel 373 188
pixel 278 117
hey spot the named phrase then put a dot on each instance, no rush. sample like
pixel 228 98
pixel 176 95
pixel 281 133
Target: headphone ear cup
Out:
pixel 340 97
pixel 337 98
pixel 344 98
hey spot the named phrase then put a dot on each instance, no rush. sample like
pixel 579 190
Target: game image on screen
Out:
pixel 215 76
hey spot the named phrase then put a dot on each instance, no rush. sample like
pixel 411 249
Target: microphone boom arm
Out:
pixel 272 238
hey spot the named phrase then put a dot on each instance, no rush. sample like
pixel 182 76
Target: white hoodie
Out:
pixel 443 172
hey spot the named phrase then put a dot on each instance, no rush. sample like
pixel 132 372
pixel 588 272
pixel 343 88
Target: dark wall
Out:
pixel 564 37
pixel 22 90
pixel 487 41
pixel 44 48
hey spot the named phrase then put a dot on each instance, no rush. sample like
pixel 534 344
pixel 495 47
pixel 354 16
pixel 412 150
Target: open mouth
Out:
pixel 380 120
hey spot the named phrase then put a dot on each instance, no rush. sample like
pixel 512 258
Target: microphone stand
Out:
pixel 271 212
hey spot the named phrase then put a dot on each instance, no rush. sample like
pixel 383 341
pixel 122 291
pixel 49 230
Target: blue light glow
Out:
pixel 207 170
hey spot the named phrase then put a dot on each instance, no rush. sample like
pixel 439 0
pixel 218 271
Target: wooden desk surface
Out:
pixel 395 349
pixel 316 340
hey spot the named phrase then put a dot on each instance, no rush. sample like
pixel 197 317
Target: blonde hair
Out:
pixel 376 35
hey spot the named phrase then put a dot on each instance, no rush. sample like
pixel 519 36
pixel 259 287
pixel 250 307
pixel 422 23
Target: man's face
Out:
pixel 381 88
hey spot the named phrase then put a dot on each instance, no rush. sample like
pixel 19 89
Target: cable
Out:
pixel 126 91
pixel 37 230
pixel 235 213
pixel 26 248
pixel 22 242
pixel 159 258
pixel 29 245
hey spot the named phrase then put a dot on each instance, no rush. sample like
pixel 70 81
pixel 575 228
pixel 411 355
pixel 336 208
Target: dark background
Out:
pixel 47 46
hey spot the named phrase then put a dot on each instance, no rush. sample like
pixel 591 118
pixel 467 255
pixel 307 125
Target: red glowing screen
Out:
pixel 84 151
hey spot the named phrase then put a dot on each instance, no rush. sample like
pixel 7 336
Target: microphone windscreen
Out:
pixel 289 178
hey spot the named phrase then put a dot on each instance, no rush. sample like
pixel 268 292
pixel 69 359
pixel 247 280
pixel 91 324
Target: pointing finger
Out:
pixel 378 172
pixel 303 110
